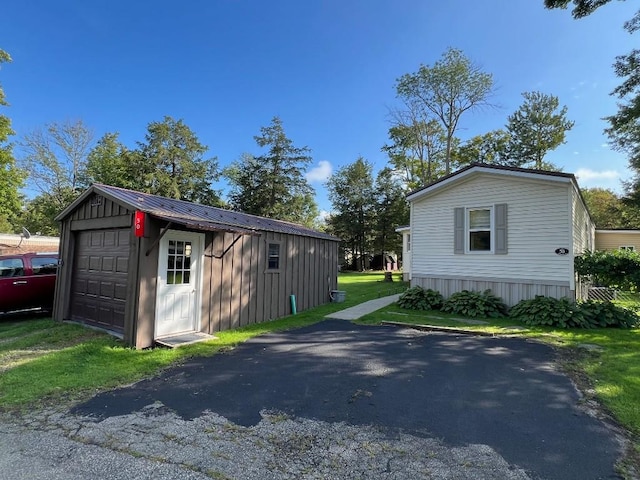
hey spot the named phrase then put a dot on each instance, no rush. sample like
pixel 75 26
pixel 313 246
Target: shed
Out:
pixel 514 231
pixel 147 267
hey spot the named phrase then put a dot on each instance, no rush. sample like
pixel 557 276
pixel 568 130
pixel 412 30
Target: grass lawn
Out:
pixel 45 361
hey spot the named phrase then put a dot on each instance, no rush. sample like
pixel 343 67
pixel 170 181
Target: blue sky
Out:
pixel 326 68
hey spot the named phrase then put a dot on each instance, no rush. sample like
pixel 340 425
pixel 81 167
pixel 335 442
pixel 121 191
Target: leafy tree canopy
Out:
pixel 353 199
pixel 444 92
pixel 273 184
pixel 609 211
pixel 491 147
pixel 536 128
pixel 11 177
pixel 170 163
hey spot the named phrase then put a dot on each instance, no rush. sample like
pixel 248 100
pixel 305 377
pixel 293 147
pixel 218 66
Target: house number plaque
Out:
pixel 562 251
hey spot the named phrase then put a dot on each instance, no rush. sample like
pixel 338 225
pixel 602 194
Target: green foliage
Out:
pixel 475 304
pixel 391 211
pixel 111 163
pixel 608 210
pixel 451 87
pixel 617 269
pixel 11 176
pixel 417 150
pixel 273 185
pixel 171 164
pixel 549 311
pixel 352 196
pixel 492 148
pixel 606 314
pixel 536 128
pixel 564 313
pixel 417 298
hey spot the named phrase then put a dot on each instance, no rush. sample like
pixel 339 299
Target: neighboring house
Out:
pixel 147 267
pixel 618 240
pixel 514 231
pixel 405 231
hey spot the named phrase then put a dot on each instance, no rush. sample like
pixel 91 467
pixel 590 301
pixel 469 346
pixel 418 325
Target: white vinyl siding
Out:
pixel 538 224
pixel 583 228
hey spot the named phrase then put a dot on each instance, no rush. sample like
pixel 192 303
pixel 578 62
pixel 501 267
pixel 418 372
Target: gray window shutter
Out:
pixel 501 229
pixel 458 230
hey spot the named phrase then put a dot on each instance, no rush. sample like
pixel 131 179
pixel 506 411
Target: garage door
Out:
pixel 100 271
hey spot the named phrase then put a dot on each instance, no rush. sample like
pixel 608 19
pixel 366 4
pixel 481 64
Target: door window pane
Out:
pixel 179 262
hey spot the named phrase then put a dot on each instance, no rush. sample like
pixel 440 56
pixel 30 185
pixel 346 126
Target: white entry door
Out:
pixel 179 274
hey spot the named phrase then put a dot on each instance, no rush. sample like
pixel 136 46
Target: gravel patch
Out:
pixel 156 443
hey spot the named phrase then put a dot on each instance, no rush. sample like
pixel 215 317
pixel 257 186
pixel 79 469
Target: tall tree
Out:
pixel 11 177
pixel 453 86
pixel 170 163
pixel 55 158
pixel 353 200
pixel 491 147
pixel 536 128
pixel 624 126
pixel 111 163
pixel 273 184
pixel 391 211
pixel 609 211
pixel 417 150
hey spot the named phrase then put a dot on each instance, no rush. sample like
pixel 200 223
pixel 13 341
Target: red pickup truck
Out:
pixel 27 281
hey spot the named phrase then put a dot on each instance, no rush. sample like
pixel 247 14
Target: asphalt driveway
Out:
pixel 503 393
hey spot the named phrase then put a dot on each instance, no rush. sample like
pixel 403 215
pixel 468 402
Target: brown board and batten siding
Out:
pixel 240 290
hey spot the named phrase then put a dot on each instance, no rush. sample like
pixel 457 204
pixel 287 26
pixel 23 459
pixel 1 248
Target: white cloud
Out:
pixel 320 173
pixel 324 214
pixel 588 175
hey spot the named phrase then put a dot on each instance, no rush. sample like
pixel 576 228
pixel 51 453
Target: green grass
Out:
pixel 46 361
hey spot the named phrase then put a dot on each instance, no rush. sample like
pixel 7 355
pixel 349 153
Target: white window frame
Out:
pixel 408 242
pixel 629 248
pixel 279 257
pixel 468 230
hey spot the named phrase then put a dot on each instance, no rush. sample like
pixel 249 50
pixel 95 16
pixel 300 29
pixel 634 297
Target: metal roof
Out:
pixel 196 216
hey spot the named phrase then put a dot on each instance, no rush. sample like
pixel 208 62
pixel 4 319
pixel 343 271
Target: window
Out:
pixel 179 262
pixel 273 259
pixel 628 248
pixel 11 267
pixel 408 242
pixel 44 265
pixel 479 229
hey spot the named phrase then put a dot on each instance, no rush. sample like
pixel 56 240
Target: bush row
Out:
pixel 537 311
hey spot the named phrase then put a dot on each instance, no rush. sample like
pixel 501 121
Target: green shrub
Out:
pixel 606 314
pixel 417 298
pixel 617 269
pixel 563 313
pixel 548 311
pixel 475 304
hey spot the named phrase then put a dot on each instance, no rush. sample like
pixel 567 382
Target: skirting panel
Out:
pixel 510 292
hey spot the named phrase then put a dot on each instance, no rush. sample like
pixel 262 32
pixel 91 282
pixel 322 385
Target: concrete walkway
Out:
pixel 353 313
